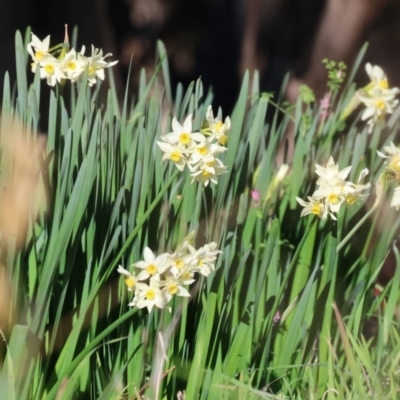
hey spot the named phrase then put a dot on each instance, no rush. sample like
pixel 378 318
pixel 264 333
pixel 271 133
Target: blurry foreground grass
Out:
pixel 284 312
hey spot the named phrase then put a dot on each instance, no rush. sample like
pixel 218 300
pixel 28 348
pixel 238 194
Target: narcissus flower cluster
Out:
pixel 59 63
pixel 155 280
pixel 378 98
pixel 333 191
pixel 197 150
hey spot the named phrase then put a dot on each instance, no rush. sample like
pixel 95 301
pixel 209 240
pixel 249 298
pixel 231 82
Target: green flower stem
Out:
pixel 359 223
pixel 88 349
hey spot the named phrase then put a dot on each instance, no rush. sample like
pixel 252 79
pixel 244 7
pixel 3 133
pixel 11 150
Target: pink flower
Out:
pixel 325 102
pixel 255 195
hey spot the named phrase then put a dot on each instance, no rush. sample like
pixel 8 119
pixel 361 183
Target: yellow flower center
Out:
pixel 49 69
pixel 316 209
pixel 380 104
pixel 130 282
pixel 333 198
pixel 186 275
pixel 172 288
pixel 150 295
pixel 179 264
pixel 395 164
pixel 39 54
pixel 223 140
pixel 72 66
pixel 206 174
pixel 200 262
pixel 184 138
pixel 151 269
pixel 91 70
pixel 383 84
pixel 175 156
pixel 203 150
pixel 218 126
pixel 350 199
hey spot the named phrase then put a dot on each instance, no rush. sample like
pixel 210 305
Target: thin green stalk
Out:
pixel 354 230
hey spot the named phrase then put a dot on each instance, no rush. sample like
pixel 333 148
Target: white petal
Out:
pixel 148 255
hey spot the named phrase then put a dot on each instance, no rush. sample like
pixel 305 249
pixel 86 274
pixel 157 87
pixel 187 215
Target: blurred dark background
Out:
pixel 218 39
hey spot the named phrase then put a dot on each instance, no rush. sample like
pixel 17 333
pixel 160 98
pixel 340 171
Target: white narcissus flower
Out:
pixel 380 103
pixel 173 153
pixel 333 191
pixel 179 262
pixel 393 164
pixel 193 149
pixel 148 295
pixel 182 135
pixel 356 191
pixel 378 98
pixel 313 206
pixel 205 149
pixel 219 129
pixel 96 64
pixel 38 49
pixel 208 169
pixel 331 173
pixel 167 274
pixel 152 265
pixel 172 286
pixel 50 69
pixel 66 66
pixel 130 279
pixel 332 195
pixel 377 76
pixel 73 66
pixel 205 257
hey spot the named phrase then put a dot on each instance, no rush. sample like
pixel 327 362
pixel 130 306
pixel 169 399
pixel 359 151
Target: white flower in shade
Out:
pixel 313 206
pixel 377 76
pixel 378 98
pixel 130 279
pixel 73 66
pixel 179 262
pixel 331 174
pixel 333 191
pixel 205 149
pixel 182 135
pixel 187 275
pixel 393 156
pixel 205 257
pixel 332 195
pixel 148 295
pixel 396 199
pixel 378 103
pixel 152 265
pixel 355 192
pixel 391 150
pixel 173 153
pixel 208 169
pixel 50 69
pixel 172 286
pixel 218 128
pixel 38 49
pixel 96 64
